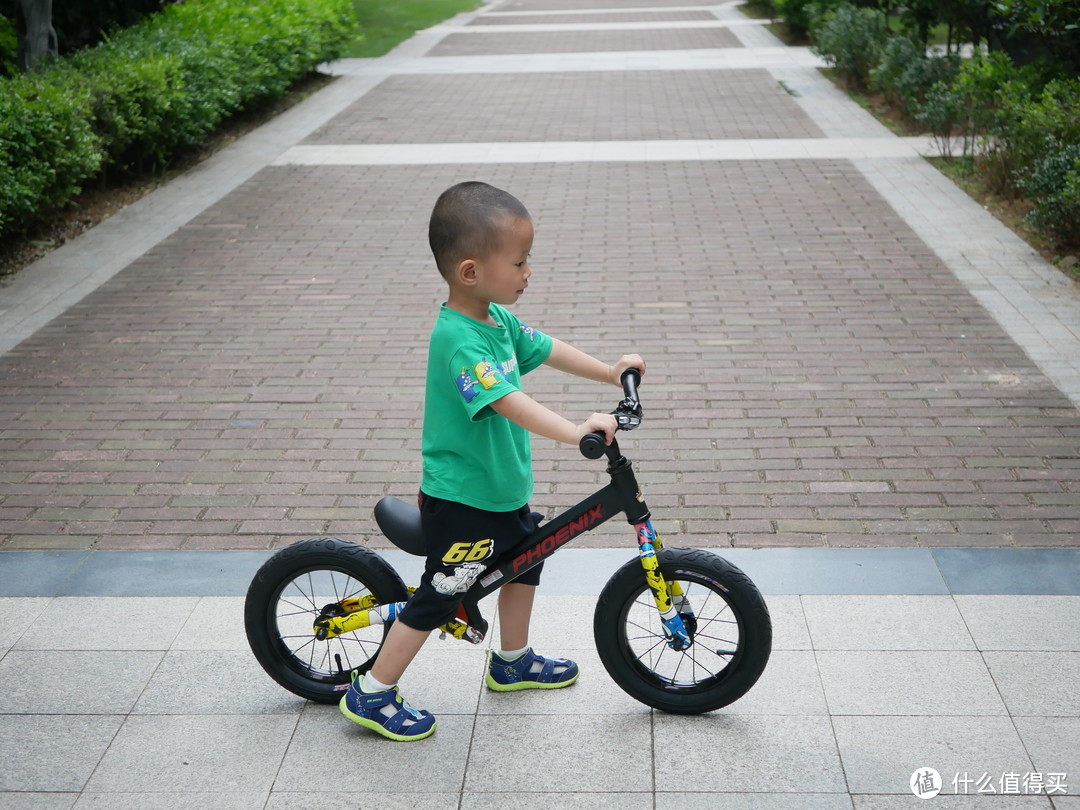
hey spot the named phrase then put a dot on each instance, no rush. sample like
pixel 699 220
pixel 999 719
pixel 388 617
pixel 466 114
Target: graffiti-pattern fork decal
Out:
pixel 670 600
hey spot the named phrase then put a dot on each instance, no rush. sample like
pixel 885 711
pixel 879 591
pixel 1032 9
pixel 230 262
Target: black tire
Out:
pixel 731 641
pixel 286 596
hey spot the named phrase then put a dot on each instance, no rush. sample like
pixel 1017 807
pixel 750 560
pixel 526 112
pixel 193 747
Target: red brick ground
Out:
pixel 816 377
pixel 570 106
pixel 584 41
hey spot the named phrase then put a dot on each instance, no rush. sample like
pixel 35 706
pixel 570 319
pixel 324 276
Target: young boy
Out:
pixel 477 473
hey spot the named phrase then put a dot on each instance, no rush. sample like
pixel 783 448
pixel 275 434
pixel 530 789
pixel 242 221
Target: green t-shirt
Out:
pixel 471 454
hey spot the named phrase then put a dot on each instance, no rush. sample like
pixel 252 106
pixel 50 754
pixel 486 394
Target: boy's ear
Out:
pixel 466 272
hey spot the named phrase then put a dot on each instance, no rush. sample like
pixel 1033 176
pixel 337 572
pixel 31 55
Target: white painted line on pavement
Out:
pixel 604 151
pixel 526 28
pixel 591 11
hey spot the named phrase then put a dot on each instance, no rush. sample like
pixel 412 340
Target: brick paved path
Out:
pixel 840 344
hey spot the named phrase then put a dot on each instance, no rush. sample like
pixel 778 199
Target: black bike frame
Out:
pixel 621 495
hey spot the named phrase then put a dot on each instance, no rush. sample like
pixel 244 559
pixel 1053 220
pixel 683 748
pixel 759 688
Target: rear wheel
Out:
pixel 292 589
pixel 730 629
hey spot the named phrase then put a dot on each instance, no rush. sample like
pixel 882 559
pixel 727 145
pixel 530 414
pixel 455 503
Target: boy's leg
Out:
pixel 515 613
pixel 399 648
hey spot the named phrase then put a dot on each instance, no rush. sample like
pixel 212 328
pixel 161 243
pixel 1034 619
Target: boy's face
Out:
pixel 503 275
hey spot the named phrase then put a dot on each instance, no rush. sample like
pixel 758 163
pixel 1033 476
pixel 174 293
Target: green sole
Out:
pixel 495 686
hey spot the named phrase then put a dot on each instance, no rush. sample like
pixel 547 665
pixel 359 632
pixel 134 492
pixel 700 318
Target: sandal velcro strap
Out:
pixel 398 721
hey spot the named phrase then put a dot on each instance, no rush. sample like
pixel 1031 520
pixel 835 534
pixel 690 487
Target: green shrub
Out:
pixel 131 113
pixel 799 15
pixel 1030 127
pixel 905 73
pixel 156 88
pixel 47 147
pixel 969 107
pixel 851 39
pixel 940 112
pixel 1021 136
pixel 1054 186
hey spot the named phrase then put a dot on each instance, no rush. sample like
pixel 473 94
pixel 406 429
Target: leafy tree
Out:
pixel 1046 29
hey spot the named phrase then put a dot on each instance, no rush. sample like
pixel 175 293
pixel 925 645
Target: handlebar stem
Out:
pixel 628 415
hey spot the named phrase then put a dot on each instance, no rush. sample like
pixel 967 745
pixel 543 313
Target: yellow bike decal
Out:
pixel 670 615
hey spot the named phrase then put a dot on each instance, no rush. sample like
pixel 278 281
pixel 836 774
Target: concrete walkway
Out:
pixel 860 385
pixel 127 683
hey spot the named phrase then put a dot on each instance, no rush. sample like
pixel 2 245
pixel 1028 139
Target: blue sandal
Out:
pixel 512 676
pixel 386 713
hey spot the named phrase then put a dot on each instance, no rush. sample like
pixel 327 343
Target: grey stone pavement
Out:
pixel 862 389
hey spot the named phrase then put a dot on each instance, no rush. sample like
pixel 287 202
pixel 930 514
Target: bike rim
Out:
pixel 292 613
pixel 718 641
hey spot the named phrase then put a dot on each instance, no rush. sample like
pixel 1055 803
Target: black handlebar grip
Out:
pixel 592 445
pixel 630 380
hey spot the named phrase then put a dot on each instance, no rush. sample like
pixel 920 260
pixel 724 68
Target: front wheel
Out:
pixel 731 634
pixel 292 589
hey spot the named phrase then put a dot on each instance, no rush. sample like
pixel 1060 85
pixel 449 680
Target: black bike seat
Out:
pixel 400 522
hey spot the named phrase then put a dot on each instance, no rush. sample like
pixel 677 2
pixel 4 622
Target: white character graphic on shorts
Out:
pixel 463 578
pixel 467 558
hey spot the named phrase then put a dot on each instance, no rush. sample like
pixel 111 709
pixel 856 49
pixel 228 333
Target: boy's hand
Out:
pixel 625 362
pixel 603 423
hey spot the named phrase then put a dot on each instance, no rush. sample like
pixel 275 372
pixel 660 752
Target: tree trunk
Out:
pixel 39 39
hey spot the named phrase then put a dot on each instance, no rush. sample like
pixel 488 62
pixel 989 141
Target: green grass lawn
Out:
pixel 386 23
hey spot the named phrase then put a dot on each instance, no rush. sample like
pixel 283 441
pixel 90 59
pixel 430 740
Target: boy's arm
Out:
pixel 566 358
pixel 523 410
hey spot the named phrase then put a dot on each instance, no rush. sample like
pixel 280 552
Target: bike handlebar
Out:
pixel 628 415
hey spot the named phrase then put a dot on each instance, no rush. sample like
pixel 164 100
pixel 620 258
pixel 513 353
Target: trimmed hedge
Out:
pixel 154 89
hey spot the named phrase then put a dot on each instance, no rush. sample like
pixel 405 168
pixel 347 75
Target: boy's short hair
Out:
pixel 466 221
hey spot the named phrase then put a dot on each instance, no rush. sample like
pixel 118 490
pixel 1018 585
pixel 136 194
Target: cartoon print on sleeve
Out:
pixel 467 385
pixel 487 374
pixel 528 331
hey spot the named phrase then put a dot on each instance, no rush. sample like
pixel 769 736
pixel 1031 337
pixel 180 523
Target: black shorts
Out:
pixel 463 543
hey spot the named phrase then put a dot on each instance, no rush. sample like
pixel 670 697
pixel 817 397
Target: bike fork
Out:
pixel 676 613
